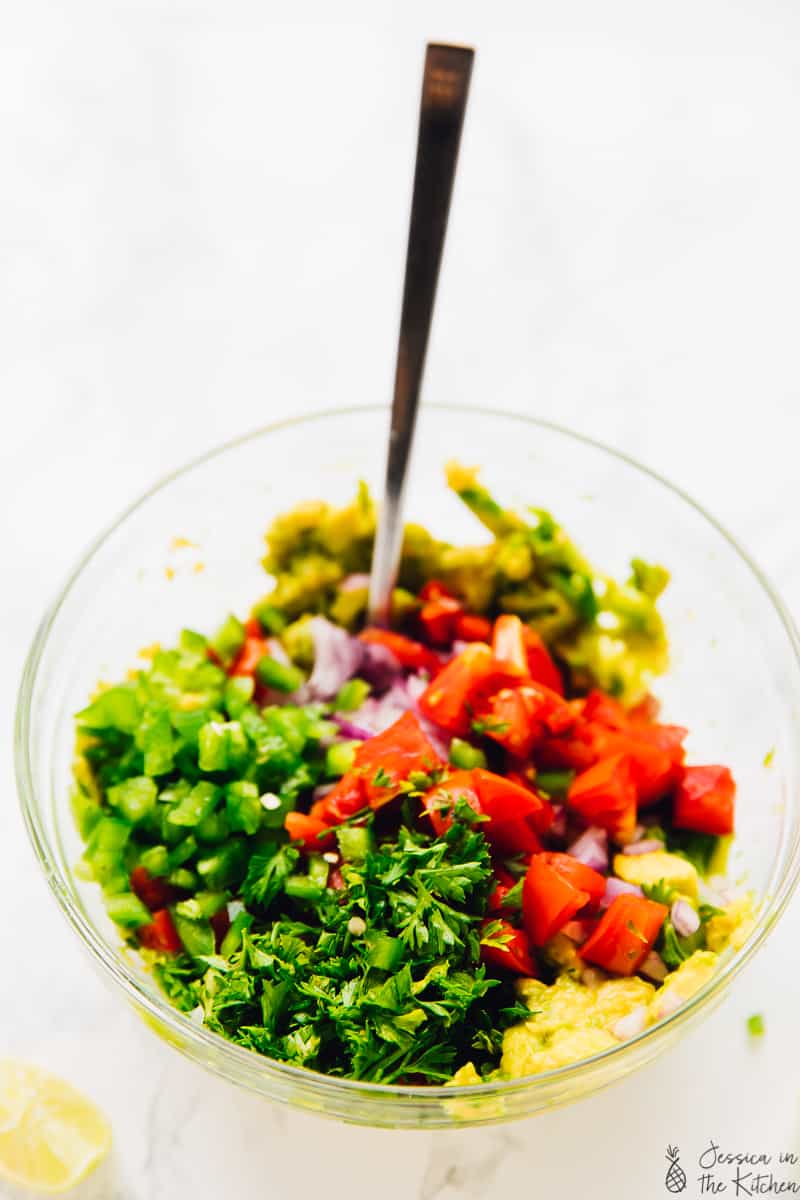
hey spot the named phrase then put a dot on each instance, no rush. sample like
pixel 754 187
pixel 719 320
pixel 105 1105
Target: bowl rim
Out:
pixel 769 910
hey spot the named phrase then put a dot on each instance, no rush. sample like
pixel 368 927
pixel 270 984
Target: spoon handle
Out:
pixel 445 86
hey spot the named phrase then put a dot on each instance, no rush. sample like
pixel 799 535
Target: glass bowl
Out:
pixel 188 552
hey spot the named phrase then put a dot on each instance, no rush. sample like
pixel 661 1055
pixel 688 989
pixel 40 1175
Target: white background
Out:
pixel 202 224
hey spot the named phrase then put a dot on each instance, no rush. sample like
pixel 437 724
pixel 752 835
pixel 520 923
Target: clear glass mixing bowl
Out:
pixel 734 681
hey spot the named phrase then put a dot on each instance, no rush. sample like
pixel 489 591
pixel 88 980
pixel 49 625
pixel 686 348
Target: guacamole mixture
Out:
pixel 461 848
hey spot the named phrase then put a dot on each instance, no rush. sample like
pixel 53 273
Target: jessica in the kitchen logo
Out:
pixel 735 1173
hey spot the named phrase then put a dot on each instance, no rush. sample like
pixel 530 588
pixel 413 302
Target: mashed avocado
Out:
pixel 690 976
pixel 733 926
pixel 607 633
pixel 571 1019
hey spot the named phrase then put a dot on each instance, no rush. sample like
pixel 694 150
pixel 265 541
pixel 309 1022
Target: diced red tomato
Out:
pixel 543 818
pixel 667 737
pixel 252 627
pixel 517 836
pixel 600 708
pixel 523 649
pixel 541 667
pixel 313 833
pixel 504 800
pixel 511 809
pixel 508 644
pixel 704 800
pixel 250 655
pixel 153 892
pixel 514 812
pixel 573 751
pixel 469 627
pixel 410 654
pixel 605 795
pixel 387 760
pixel 507 719
pixel 656 759
pixel 625 934
pixel 657 776
pixel 439 801
pixel 347 797
pixel 438 619
pixel 586 879
pixel 646 711
pixel 161 934
pixel 519 717
pixel 549 900
pixel 452 698
pixel 434 589
pixel 220 923
pixel 656 751
pixel 513 955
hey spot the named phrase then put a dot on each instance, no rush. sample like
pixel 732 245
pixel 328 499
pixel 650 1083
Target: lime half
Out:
pixel 51 1136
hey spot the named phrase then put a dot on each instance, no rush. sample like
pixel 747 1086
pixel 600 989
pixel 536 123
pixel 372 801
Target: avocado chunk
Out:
pixel 648 869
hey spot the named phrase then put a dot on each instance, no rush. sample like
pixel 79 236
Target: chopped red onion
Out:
pixel 393 703
pixel 618 887
pixel 458 647
pixel 349 729
pixel 321 791
pixel 654 967
pixel 591 848
pixel 277 651
pixel 667 1002
pixel 638 833
pixel 378 666
pixel 354 583
pixel 416 685
pixel 632 1023
pixel 684 918
pixel 377 714
pixel 337 657
pixel 646 846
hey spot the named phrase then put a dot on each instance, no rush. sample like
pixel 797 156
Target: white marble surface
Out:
pixel 202 222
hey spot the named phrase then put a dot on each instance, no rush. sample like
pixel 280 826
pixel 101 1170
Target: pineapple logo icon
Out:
pixel 676 1176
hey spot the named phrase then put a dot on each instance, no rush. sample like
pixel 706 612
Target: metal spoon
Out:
pixel 445 86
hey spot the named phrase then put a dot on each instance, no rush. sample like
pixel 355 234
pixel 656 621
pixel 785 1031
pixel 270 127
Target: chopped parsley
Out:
pixel 403 998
